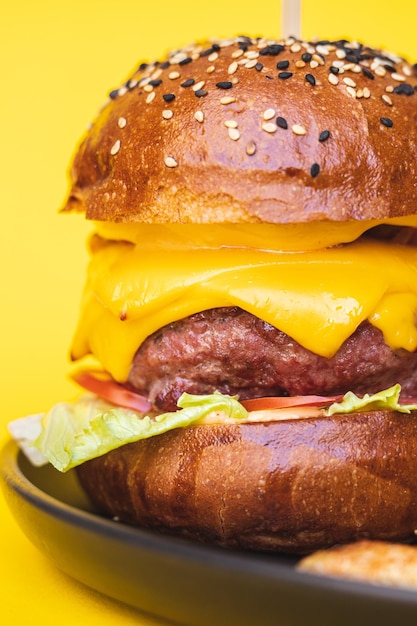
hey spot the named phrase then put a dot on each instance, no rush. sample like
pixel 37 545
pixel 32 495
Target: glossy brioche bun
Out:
pixel 292 486
pixel 199 137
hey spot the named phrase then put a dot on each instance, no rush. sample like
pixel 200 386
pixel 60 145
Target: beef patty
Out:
pixel 234 352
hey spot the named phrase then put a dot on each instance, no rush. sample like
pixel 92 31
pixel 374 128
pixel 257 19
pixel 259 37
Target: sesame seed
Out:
pixel 259 66
pixel 366 92
pixel 282 122
pixel 251 148
pixel 349 82
pixel 213 57
pixel 297 129
pixel 333 79
pixel 199 85
pixel 232 68
pixel 380 71
pixel 170 162
pixel 150 97
pixel 155 82
pixel 282 65
pixel 227 100
pixel 234 134
pixel 324 135
pixel 268 114
pixel 284 75
pixel 174 75
pixel 252 54
pixel 199 116
pixel 200 93
pixel 113 94
pixel 313 64
pixel 386 99
pixel 310 79
pixel 269 127
pixel 185 61
pixel 224 84
pixel 295 47
pixel 306 57
pixel 389 89
pixel 167 114
pixel 121 122
pixel 237 53
pixel 168 97
pixel 386 121
pixel 188 82
pixel 315 170
pixel 300 64
pixel 351 91
pixel 251 63
pixel 148 88
pixel 398 77
pixel 210 69
pixel 230 123
pixel 115 147
pixel 368 73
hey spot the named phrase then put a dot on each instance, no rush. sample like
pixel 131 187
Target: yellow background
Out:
pixel 58 60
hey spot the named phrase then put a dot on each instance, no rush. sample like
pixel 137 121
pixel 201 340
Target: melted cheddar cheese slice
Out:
pixel 316 296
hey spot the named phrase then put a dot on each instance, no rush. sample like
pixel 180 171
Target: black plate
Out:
pixel 178 580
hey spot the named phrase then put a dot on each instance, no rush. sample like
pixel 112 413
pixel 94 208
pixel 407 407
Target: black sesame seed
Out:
pixel 404 89
pixel 315 170
pixel 282 65
pixel 155 82
pixel 216 47
pixel 113 94
pixel 324 135
pixel 185 61
pixel 168 97
pixel 275 49
pixel 306 57
pixel 386 121
pixel 224 84
pixel 165 65
pixel 269 77
pixel 334 70
pixel 259 66
pixel 351 58
pixel 188 82
pixel 200 93
pixel 389 68
pixel 368 73
pixel 282 122
pixel 310 79
pixel 142 67
pixel 207 52
pixel 284 75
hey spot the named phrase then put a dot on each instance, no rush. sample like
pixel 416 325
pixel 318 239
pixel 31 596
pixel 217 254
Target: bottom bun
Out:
pixel 289 486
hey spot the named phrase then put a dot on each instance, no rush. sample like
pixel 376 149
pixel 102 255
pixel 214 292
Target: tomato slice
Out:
pixel 101 384
pixel 278 402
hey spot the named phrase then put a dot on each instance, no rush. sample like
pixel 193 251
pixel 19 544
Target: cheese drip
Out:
pixel 317 297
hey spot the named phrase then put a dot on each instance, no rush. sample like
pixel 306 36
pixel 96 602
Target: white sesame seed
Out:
pixel 349 82
pixel 199 85
pixel 297 129
pixel 156 74
pixel 170 162
pixel 234 134
pixel 300 64
pixel 313 65
pixel 341 54
pixel 115 147
pixel 318 58
pixel 366 92
pixel 359 93
pixel 167 114
pixel 230 123
pixel 148 88
pixel 122 91
pixel 150 97
pixel 268 114
pixel 322 49
pixel 389 88
pixel 199 116
pixel 251 148
pixel 351 91
pixel 295 47
pixel 252 54
pixel 380 71
pixel 237 53
pixel 210 69
pixel 251 63
pixel 269 127
pixel 227 100
pixel 407 70
pixel 121 122
pixel 398 77
pixel 213 57
pixel 386 99
pixel 333 79
pixel 173 75
pixel 232 68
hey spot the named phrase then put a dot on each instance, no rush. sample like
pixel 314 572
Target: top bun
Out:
pixel 254 130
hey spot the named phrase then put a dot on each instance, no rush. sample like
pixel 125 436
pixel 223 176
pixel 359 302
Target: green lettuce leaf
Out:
pixel 73 433
pixel 388 399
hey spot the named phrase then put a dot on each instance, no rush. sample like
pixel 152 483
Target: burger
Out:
pixel 251 298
